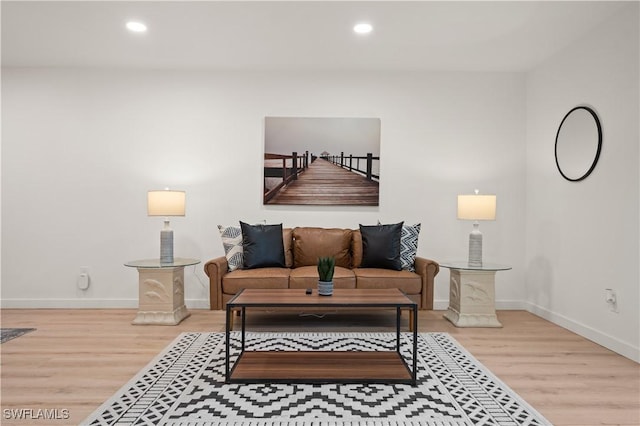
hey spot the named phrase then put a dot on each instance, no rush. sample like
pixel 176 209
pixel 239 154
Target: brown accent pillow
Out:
pixel 311 243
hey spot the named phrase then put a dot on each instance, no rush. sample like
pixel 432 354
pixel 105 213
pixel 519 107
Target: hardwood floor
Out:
pixel 76 359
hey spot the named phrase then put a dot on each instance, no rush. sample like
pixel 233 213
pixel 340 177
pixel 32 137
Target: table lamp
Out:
pixel 166 203
pixel 476 207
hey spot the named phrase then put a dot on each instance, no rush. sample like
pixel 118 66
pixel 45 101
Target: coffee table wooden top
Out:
pixel 341 297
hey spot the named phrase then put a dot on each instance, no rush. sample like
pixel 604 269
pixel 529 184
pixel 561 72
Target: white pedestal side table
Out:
pixel 472 294
pixel 161 291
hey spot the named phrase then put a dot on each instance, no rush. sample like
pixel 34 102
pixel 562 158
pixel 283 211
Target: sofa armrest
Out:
pixel 215 270
pixel 427 269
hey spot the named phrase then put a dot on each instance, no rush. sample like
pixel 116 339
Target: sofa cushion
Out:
pixel 307 277
pixel 409 246
pixel 381 246
pixel 232 243
pixel 255 278
pixel 409 282
pixel 356 249
pixel 287 241
pixel 231 237
pixel 311 243
pixel 262 246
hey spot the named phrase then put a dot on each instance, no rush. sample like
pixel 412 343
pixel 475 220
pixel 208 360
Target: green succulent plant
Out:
pixel 326 267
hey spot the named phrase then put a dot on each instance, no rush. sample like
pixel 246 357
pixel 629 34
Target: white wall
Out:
pixel 82 147
pixel 583 237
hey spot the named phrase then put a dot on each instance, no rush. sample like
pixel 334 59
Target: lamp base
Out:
pixel 166 246
pixel 475 246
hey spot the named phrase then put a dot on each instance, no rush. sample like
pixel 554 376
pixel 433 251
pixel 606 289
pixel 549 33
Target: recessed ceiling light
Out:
pixel 363 28
pixel 136 27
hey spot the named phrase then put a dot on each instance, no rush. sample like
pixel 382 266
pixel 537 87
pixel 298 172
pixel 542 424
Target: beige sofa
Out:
pixel 302 247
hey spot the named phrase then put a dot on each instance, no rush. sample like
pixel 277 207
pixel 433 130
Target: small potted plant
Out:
pixel 326 267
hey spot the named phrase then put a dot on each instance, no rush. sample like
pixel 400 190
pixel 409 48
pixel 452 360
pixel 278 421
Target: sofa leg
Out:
pixel 234 313
pixel 411 318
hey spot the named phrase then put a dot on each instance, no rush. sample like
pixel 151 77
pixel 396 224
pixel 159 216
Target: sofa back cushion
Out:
pixel 287 240
pixel 311 243
pixel 356 249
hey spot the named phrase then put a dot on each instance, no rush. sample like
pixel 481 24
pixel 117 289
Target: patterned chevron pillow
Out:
pixel 409 246
pixel 232 242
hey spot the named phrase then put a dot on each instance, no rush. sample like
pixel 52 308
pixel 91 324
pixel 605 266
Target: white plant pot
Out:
pixel 325 288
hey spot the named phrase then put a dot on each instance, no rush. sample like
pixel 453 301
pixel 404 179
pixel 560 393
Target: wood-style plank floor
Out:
pixel 76 359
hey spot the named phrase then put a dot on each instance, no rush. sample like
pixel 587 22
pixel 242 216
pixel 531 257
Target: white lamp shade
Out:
pixel 477 207
pixel 166 203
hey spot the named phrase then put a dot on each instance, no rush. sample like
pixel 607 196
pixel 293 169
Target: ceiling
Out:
pixel 295 35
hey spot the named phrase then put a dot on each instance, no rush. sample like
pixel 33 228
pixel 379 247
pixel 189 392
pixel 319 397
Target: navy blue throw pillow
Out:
pixel 381 246
pixel 262 246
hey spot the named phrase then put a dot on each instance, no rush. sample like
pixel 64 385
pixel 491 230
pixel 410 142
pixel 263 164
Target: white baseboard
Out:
pixel 87 304
pixel 587 332
pixel 69 303
pixel 438 305
pixel 505 305
pixel 197 303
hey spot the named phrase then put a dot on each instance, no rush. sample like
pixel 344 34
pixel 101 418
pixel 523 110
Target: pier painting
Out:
pixel 322 161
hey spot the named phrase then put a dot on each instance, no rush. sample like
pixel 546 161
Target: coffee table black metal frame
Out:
pixel 237 303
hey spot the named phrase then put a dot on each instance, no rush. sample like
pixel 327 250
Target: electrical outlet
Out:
pixel 83 278
pixel 612 299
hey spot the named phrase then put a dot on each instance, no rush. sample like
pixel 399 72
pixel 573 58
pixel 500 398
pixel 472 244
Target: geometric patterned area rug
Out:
pixel 184 385
pixel 7 334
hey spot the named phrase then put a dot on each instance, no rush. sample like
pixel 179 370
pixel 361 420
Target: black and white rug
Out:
pixel 7 334
pixel 184 385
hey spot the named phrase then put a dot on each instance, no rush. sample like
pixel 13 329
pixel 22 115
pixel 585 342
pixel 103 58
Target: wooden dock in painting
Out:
pixel 324 183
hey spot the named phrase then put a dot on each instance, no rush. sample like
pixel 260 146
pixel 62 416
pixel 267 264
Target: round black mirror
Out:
pixel 578 143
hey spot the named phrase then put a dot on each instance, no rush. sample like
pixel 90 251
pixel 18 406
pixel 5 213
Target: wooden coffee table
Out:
pixel 321 366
